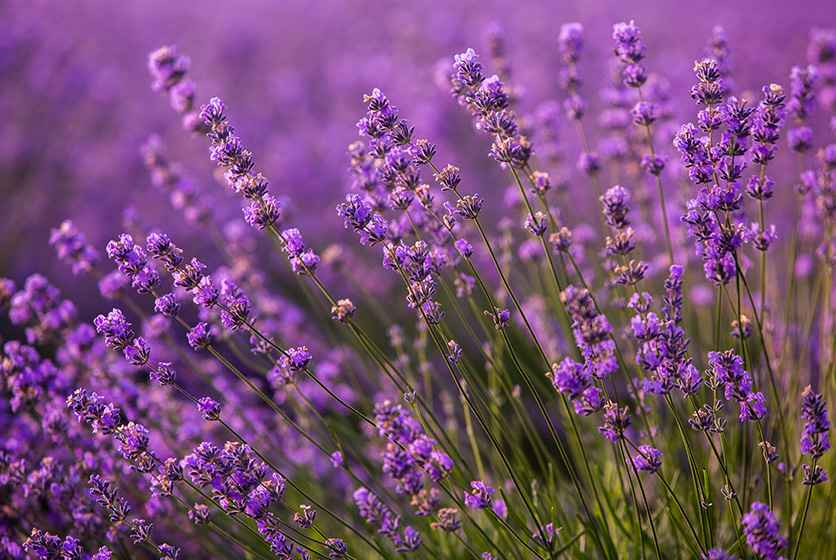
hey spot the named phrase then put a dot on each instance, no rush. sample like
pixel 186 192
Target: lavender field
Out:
pixel 381 279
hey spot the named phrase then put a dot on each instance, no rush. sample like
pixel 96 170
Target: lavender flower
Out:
pixel 717 554
pixel 648 459
pixel 815 440
pixel 592 332
pixel 762 532
pixel 616 421
pixel 572 379
pixel 727 368
pixel 630 49
pixel 480 496
pixel 72 247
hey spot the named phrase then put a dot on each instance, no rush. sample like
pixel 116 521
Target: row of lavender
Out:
pixel 443 437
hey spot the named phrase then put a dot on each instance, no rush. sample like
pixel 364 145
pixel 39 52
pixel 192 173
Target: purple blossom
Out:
pixel 480 496
pixel 500 317
pixel 116 328
pixel 544 535
pixel 298 358
pixel 343 311
pixel 727 368
pixel 200 336
pixel 163 373
pixel 410 541
pixel 762 531
pixel 591 331
pixel 167 305
pixel 71 247
pixel 629 45
pixel 262 212
pixel 572 379
pixel 536 224
pixel 464 248
pixel 138 352
pixel 814 439
pixel 648 459
pixel 570 41
pixel 167 67
pixel 616 206
pixel 616 421
pixel 800 139
pixel 205 293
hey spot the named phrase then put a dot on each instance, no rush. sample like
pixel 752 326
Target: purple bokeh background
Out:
pixel 76 102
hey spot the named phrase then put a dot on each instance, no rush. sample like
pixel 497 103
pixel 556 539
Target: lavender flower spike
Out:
pixel 762 532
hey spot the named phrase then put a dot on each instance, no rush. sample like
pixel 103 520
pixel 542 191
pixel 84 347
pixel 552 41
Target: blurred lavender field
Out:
pixel 435 408
pixel 77 107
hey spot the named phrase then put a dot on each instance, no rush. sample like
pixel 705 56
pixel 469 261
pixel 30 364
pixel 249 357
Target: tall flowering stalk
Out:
pixel 630 49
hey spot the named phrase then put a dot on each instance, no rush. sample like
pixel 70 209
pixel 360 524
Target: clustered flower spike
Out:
pixel 648 459
pixel 763 532
pixel 815 440
pixel 616 206
pixel 544 536
pixel 243 485
pixel 767 121
pixel 410 454
pixel 170 178
pixel 629 48
pixel 592 332
pixel 45 546
pixel 388 524
pixel 480 496
pixel 168 68
pixel 227 149
pixel 616 421
pixel 727 369
pixel 575 381
pixel 234 303
pixel 133 263
pixel 359 216
pixel 720 164
pixel 38 307
pixel 71 246
pixel 418 264
pixel 662 343
pixel 570 41
pixel 718 50
pixel 489 103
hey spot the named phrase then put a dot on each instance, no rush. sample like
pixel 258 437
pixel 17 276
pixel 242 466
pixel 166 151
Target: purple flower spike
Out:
pixel 480 496
pixel 616 420
pixel 815 439
pixel 263 212
pixel 167 67
pixel 200 336
pixel 762 532
pixel 163 373
pixel 570 41
pixel 629 45
pixel 410 541
pixel 205 293
pixel 167 305
pixel 116 328
pixel 544 535
pixel 209 409
pixel 71 246
pixel 648 459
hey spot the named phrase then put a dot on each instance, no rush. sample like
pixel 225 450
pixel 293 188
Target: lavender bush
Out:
pixel 606 332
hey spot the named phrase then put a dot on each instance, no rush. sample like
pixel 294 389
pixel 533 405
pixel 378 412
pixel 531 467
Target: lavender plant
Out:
pixel 517 383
